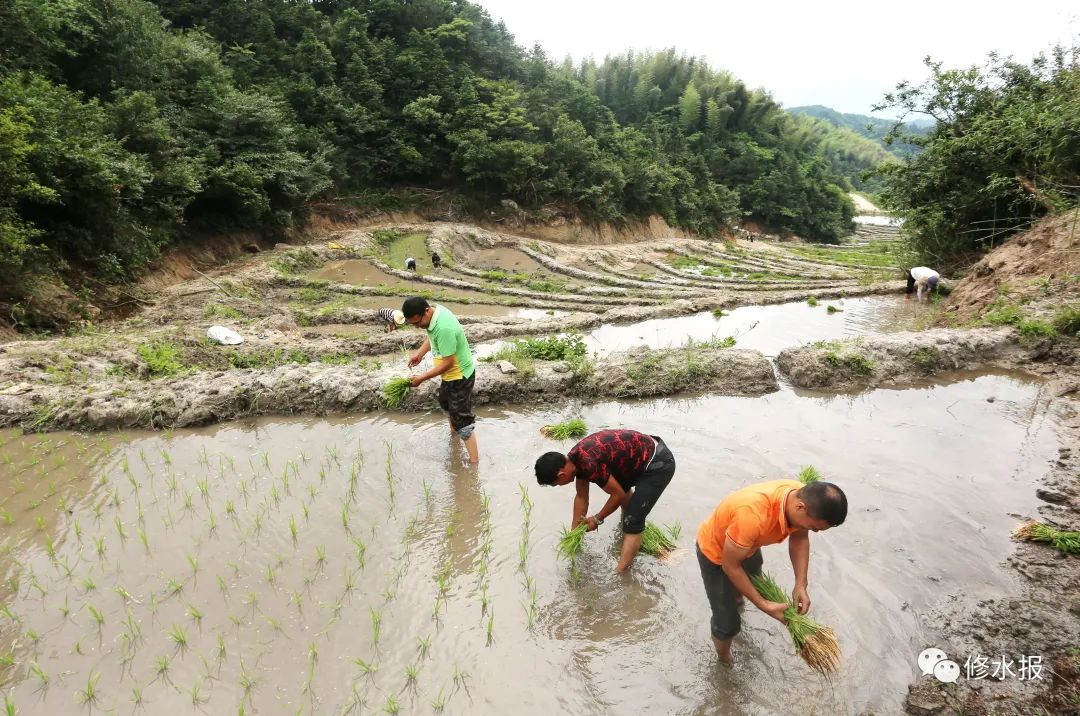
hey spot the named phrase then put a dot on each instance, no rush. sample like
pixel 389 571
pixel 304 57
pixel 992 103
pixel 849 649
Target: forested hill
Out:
pixel 873 128
pixel 124 123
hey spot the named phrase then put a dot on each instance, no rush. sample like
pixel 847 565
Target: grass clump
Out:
pixel 296 261
pixel 685 262
pixel 714 343
pixel 659 541
pixel 569 347
pixel 812 301
pixel 833 309
pixel 854 362
pixel 809 474
pixel 1064 542
pixel 1067 320
pixel 718 312
pixel 396 391
pixel 163 359
pixel 927 359
pixel 575 428
pixel 816 644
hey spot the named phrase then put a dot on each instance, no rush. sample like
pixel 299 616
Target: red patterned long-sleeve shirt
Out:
pixel 622 454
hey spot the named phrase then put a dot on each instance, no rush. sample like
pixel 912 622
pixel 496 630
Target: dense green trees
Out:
pixel 126 122
pixel 1004 151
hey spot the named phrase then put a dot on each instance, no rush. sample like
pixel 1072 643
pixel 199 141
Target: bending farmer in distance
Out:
pixel 453 361
pixel 729 546
pixel 924 279
pixel 632 467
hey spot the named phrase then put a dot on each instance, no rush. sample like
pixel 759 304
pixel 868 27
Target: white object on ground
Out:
pixel 224 336
pixel 507 367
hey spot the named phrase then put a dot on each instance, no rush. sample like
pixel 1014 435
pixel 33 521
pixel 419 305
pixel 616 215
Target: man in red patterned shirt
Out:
pixel 631 467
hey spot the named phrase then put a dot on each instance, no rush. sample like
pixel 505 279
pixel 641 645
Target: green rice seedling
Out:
pixel 809 474
pixel 460 676
pixel 78 531
pixel 123 594
pixel 204 487
pixel 396 391
pixel 188 504
pixel 161 667
pixel 193 562
pixel 99 618
pixel 120 529
pixel 8 612
pixel 173 587
pixel 816 644
pixel 391 707
pixel 292 529
pixel 88 696
pixel 1064 542
pixel 297 599
pixel 39 674
pixel 197 699
pixel 39 522
pixel 412 672
pixel 571 542
pixel 9 705
pixel 178 637
pixel 438 705
pixel 423 645
pixel 8 519
pixel 99 545
pixel 376 625
pixel 195 614
pixel 271 577
pixel 144 539
pixel 365 668
pixel 571 429
pixel 833 309
pixel 247 682
pixel 137 696
pixel 88 584
pixel 274 623
pixel 812 301
pixel 660 541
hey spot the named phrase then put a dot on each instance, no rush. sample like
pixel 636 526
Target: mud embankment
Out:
pixel 316 389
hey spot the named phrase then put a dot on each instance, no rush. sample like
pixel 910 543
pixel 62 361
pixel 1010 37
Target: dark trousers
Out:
pixel 726 621
pixel 648 488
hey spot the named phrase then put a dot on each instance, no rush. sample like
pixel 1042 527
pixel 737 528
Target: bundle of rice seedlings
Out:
pixel 1065 542
pixel 395 391
pixel 809 474
pixel 571 542
pixel 660 541
pixel 816 644
pixel 575 428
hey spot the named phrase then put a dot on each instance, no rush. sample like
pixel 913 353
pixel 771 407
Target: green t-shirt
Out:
pixel 448 341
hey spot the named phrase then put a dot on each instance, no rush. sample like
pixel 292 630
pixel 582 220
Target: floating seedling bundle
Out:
pixel 816 644
pixel 1065 542
pixel 575 428
pixel 658 541
pixel 396 391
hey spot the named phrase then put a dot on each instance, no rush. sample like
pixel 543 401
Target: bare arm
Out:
pixel 581 502
pixel 799 551
pixel 616 496
pixel 420 352
pixel 733 558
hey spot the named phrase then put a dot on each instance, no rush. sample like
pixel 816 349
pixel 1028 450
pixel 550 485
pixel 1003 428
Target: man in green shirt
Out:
pixel 453 361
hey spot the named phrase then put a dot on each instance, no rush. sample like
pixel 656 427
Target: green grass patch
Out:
pixel 162 358
pixel 296 261
pixel 682 262
pixel 714 343
pixel 833 309
pixel 220 310
pixel 546 286
pixel 812 301
pixel 851 361
pixel 716 271
pixel 927 359
pixel 409 245
pixel 1067 320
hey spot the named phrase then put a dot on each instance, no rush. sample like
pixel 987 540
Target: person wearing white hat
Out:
pixel 392 317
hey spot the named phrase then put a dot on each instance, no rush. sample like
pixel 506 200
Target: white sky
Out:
pixel 844 55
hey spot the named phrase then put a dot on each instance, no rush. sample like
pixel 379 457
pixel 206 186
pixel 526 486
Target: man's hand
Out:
pixel 775 610
pixel 416 380
pixel 801 599
pixel 592 524
pixel 414 360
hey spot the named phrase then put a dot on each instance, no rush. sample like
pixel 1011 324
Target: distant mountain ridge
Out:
pixel 873 128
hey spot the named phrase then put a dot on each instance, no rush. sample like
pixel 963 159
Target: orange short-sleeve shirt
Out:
pixel 751 517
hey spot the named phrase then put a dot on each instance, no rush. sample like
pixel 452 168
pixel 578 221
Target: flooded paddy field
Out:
pixel 353 565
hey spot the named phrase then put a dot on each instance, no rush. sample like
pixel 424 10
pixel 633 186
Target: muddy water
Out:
pixel 186 537
pixel 459 309
pixel 768 329
pixel 357 272
pixel 507 259
pixel 876 220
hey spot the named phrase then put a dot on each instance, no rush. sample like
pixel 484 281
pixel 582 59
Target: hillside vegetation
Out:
pixel 126 124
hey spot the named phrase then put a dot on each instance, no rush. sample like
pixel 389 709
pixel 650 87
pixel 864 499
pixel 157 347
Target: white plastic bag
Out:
pixel 224 336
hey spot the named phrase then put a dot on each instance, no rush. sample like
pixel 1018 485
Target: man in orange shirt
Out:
pixel 729 546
